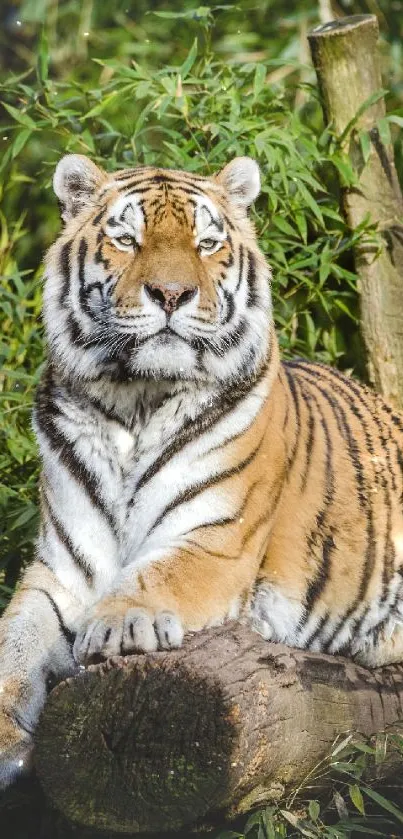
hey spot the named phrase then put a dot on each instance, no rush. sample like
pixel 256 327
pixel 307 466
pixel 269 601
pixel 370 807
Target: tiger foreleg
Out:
pixel 36 641
pixel 152 609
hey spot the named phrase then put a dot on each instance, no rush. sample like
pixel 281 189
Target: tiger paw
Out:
pixel 16 742
pixel 139 631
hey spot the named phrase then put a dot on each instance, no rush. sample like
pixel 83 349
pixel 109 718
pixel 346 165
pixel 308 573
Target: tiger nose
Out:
pixel 170 295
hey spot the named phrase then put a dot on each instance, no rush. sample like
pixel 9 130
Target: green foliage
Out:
pixel 21 353
pixel 355 808
pixel 195 115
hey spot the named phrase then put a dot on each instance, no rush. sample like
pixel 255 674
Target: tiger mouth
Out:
pixel 163 338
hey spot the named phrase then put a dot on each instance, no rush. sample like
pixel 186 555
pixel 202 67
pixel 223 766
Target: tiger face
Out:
pixel 157 274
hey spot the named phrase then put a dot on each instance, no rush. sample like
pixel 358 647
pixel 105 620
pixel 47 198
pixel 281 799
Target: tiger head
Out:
pixel 157 274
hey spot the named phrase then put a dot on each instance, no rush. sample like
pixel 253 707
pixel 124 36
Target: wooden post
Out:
pixel 344 54
pixel 180 738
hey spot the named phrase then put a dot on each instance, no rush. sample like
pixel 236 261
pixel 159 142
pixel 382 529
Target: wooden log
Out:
pixel 345 57
pixel 158 742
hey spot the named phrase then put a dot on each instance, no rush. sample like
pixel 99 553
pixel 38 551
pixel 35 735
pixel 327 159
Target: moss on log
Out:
pixel 346 61
pixel 158 742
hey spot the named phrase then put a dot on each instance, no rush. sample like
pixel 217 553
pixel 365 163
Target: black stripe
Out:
pixel 228 297
pixel 166 176
pixel 342 424
pixel 228 221
pixel 317 631
pixel 193 491
pixel 240 268
pixel 319 581
pixel 64 262
pixel 46 413
pixel 310 441
pixel 193 428
pixel 82 255
pixel 352 393
pixel 265 516
pixel 77 335
pixel 223 522
pixel 145 188
pixel 293 390
pixel 389 555
pixel 341 419
pixel 318 584
pixel 109 413
pixel 76 555
pixel 68 634
pixel 99 216
pixel 253 297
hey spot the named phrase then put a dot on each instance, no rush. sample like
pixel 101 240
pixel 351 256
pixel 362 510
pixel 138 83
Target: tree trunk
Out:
pixel 157 742
pixel 344 54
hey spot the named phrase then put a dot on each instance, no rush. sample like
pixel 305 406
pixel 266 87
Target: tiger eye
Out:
pixel 208 244
pixel 126 240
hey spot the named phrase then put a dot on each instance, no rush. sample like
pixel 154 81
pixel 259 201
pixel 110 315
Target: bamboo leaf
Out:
pixel 357 799
pixel 19 116
pixel 365 143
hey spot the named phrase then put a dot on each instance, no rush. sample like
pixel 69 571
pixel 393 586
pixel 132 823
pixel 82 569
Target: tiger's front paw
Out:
pixel 16 741
pixel 138 631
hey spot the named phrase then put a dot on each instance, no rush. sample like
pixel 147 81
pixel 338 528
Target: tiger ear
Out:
pixel 241 180
pixel 76 182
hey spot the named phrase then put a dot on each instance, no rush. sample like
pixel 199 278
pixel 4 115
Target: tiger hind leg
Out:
pixel 35 651
pixel 380 649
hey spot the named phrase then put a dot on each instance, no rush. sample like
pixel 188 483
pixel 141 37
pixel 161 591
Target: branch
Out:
pixel 157 742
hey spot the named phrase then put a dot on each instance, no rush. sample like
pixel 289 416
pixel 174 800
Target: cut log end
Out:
pixel 136 746
pixel 344 25
pixel 159 742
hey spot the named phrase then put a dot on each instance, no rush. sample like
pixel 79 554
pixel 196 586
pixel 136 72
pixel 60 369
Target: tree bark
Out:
pixel 345 57
pixel 158 742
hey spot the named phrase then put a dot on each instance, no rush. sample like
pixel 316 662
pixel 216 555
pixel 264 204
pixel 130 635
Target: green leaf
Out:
pixel 384 803
pixel 314 810
pixel 42 64
pixel 19 116
pixel 189 61
pixel 312 204
pixel 229 834
pixel 202 12
pixel 301 223
pixel 384 131
pixel 254 819
pixel 395 120
pixel 283 225
pixel 365 143
pixel 259 80
pixel 299 824
pixel 26 515
pixel 345 169
pixel 357 799
pixel 19 142
pixel 371 100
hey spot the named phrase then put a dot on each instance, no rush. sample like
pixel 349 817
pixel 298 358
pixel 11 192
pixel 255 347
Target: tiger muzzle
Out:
pixel 170 296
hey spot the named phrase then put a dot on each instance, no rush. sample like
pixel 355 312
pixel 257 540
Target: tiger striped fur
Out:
pixel 188 476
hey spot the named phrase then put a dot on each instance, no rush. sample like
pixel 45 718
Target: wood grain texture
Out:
pixel 157 742
pixel 346 61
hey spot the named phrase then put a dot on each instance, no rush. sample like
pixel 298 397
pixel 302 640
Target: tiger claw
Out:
pixel 139 631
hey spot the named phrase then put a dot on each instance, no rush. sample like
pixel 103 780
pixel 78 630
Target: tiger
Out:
pixel 189 475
